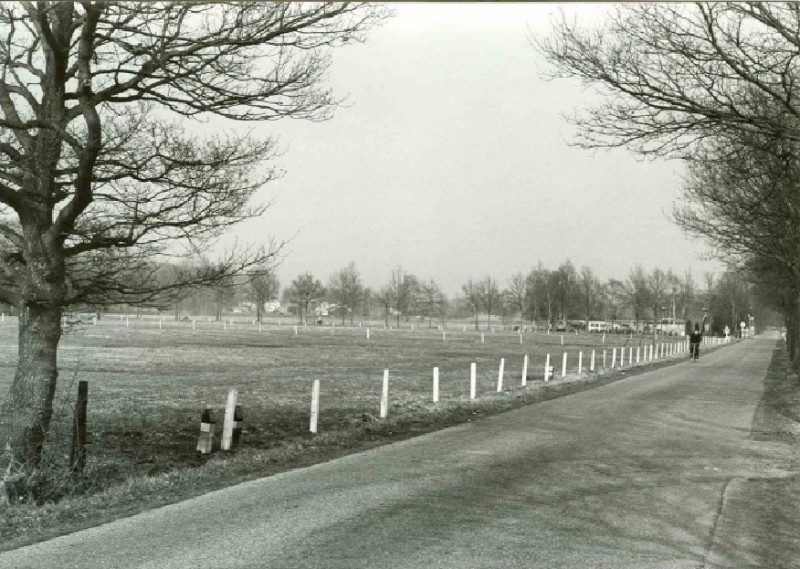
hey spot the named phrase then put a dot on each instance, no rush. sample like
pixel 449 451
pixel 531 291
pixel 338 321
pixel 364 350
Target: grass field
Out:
pixel 148 383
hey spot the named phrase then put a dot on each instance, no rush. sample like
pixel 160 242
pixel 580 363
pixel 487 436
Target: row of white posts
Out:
pixel 649 354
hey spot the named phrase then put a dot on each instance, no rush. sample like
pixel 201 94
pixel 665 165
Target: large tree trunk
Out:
pixel 28 406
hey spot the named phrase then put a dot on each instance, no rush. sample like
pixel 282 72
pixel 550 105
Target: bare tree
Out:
pixel 304 290
pixel 517 294
pixel 264 287
pixel 98 177
pixel 346 290
pixel 472 293
pixel 659 284
pixel 590 292
pixel 385 298
pixel 633 292
pixel 405 288
pixel 490 297
pixel 433 300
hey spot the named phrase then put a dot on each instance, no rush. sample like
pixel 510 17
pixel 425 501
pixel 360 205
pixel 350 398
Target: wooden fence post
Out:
pixel 205 442
pixel 314 406
pixel 385 395
pixel 525 371
pixel 436 385
pixel 473 379
pixel 77 451
pixel 227 425
pixel 500 375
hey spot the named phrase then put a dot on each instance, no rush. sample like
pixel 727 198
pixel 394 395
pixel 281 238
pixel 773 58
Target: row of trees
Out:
pixel 542 296
pixel 715 85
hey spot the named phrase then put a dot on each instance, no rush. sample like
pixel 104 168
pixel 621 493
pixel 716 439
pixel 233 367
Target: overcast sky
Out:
pixel 453 161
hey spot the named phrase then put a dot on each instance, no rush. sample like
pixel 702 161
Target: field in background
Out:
pixel 149 379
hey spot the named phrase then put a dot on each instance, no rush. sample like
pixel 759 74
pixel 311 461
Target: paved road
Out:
pixel 640 473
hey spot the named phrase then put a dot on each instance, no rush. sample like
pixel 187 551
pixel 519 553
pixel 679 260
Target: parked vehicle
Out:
pixel 597 326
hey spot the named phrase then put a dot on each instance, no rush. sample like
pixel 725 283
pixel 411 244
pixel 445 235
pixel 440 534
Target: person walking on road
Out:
pixel 694 343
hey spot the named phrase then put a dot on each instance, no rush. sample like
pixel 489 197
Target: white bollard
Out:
pixel 580 362
pixel 630 356
pixel 224 325
pixel 227 425
pixel 604 338
pixel 194 324
pixel 525 371
pixel 613 358
pixel 367 333
pixel 564 365
pixel 622 357
pixel 473 379
pixel 444 336
pixel 591 364
pixel 604 359
pixel 295 329
pixel 385 395
pixel 562 339
pixel 436 385
pixel 520 338
pixel 127 322
pixel 160 324
pixel 481 337
pixel 500 375
pixel 314 406
pixel 547 368
pixel 259 327
pixel 637 354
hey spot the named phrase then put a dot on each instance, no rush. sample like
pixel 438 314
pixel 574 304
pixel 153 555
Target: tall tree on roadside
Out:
pixel 405 288
pixel 385 298
pixel 432 300
pixel 590 292
pixel 99 181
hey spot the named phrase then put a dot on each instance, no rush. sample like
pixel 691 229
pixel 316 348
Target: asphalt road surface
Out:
pixel 650 471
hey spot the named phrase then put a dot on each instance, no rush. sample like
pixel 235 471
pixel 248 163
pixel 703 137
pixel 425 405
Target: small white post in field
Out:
pixel 591 364
pixel 227 425
pixel 481 337
pixel 562 339
pixel 525 370
pixel 194 324
pixel 500 375
pixel 580 362
pixel 444 335
pixel 4 317
pixel 367 333
pixel 208 319
pixel 259 327
pixel 604 338
pixel 547 368
pixel 436 385
pixel 127 322
pixel 295 329
pixel 622 357
pixel 160 323
pixel 637 354
pixel 224 325
pixel 564 365
pixel 613 358
pixel 254 321
pixel 314 405
pixel 604 359
pixel 662 349
pixel 630 356
pixel 520 338
pixel 385 395
pixel 473 380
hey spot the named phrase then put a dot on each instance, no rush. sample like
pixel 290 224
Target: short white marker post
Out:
pixel 604 359
pixel 385 395
pixel 591 364
pixel 473 380
pixel 525 370
pixel 613 358
pixel 637 354
pixel 562 339
pixel 295 329
pixel 208 319
pixel 227 425
pixel 604 338
pixel 630 356
pixel 127 322
pixel 259 327
pixel 367 333
pixel 314 405
pixel 481 337
pixel 547 368
pixel 194 324
pixel 564 365
pixel 520 338
pixel 444 335
pixel 160 323
pixel 580 362
pixel 224 325
pixel 622 357
pixel 436 385
pixel 500 375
